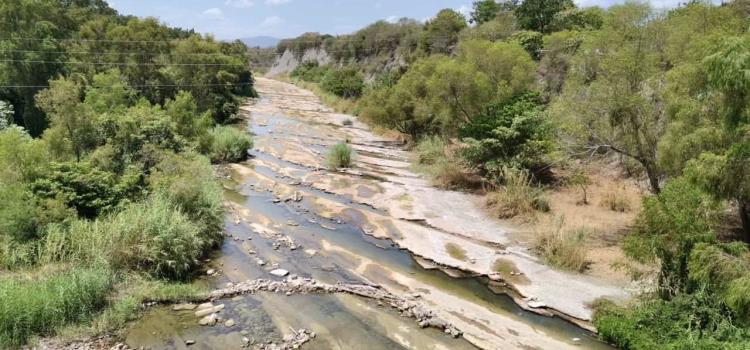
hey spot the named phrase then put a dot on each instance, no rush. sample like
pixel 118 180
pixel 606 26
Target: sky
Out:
pixel 233 19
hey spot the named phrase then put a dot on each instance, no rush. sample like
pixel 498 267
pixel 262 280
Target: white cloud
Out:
pixel 239 3
pixel 277 2
pixel 271 21
pixel 213 13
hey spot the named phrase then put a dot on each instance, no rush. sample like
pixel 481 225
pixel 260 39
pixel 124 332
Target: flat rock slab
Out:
pixel 279 272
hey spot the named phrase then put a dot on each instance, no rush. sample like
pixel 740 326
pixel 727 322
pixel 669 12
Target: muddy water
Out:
pixel 335 250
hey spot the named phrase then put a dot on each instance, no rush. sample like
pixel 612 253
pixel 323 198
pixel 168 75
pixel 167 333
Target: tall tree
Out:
pixel 537 15
pixel 441 33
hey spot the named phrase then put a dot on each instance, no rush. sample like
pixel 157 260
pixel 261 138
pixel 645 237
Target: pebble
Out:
pixel 209 320
pixel 210 310
pixel 210 272
pixel 183 307
pixel 229 323
pixel 189 342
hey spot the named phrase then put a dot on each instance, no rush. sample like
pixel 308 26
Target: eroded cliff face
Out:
pixel 290 60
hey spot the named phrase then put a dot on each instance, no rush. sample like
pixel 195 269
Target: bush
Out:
pixel 688 321
pixel 39 307
pixel 150 236
pixel 518 196
pixel 345 82
pixel 187 181
pixel 228 144
pixel 340 156
pixel 309 71
pixel 430 150
pixel 515 134
pixel 563 248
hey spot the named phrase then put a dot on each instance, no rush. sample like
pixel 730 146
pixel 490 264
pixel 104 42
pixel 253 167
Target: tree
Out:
pixel 6 114
pixel 613 101
pixel 441 33
pixel 69 118
pixel 725 172
pixel 484 11
pixel 509 68
pixel 537 15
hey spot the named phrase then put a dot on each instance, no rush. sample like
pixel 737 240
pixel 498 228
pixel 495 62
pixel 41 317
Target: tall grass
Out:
pixel 616 201
pixel 340 156
pixel 444 169
pixel 518 196
pixel 38 307
pixel 228 144
pixel 150 236
pixel 562 247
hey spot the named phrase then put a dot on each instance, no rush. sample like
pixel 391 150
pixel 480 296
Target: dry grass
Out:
pixel 518 197
pixel 445 169
pixel 616 201
pixel 563 247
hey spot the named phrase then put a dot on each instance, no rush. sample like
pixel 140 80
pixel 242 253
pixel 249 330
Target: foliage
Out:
pixel 616 201
pixel 668 229
pixel 538 15
pixel 340 156
pixel 344 82
pixel 441 33
pixel 6 115
pixel 151 236
pixel 484 11
pixel 40 306
pixel 228 144
pixel 510 134
pixel 688 321
pixel 87 189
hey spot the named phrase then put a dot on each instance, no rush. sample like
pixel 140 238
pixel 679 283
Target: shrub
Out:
pixel 518 196
pixel 563 248
pixel 616 201
pixel 17 209
pixel 150 236
pixel 228 144
pixel 688 321
pixel 345 82
pixel 340 156
pixel 515 134
pixel 430 150
pixel 309 71
pixel 187 181
pixel 39 307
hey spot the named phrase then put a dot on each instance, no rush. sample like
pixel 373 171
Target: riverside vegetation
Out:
pixel 108 127
pixel 532 90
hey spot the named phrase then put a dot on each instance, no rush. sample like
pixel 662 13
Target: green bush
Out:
pixel 340 156
pixel 344 82
pixel 187 181
pixel 430 150
pixel 39 307
pixel 150 236
pixel 309 71
pixel 228 144
pixel 563 248
pixel 515 134
pixel 688 321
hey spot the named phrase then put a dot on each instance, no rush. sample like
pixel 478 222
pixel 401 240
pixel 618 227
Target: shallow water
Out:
pixel 343 253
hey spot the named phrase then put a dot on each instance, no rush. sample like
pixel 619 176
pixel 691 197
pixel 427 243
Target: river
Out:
pixel 352 227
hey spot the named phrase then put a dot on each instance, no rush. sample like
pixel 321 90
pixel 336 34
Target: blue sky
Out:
pixel 231 19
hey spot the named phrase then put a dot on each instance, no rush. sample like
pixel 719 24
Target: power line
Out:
pixel 127 63
pixel 133 86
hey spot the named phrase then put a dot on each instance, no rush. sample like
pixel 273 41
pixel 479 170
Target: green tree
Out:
pixel 345 82
pixel 69 118
pixel 6 115
pixel 538 15
pixel 441 33
pixel 484 11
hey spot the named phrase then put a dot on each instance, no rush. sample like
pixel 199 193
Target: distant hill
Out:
pixel 260 41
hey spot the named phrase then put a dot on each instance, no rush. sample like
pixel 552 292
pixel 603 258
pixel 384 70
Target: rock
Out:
pixel 205 306
pixel 260 262
pixel 210 310
pixel 229 323
pixel 279 272
pixel 245 341
pixel 535 304
pixel 576 340
pixel 189 342
pixel 209 320
pixel 311 252
pixel 243 332
pixel 292 223
pixel 184 307
pixel 211 272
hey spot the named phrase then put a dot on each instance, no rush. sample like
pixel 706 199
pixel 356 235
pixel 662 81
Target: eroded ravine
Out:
pixel 343 232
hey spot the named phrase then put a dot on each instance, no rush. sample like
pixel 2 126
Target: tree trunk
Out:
pixel 743 206
pixel 653 178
